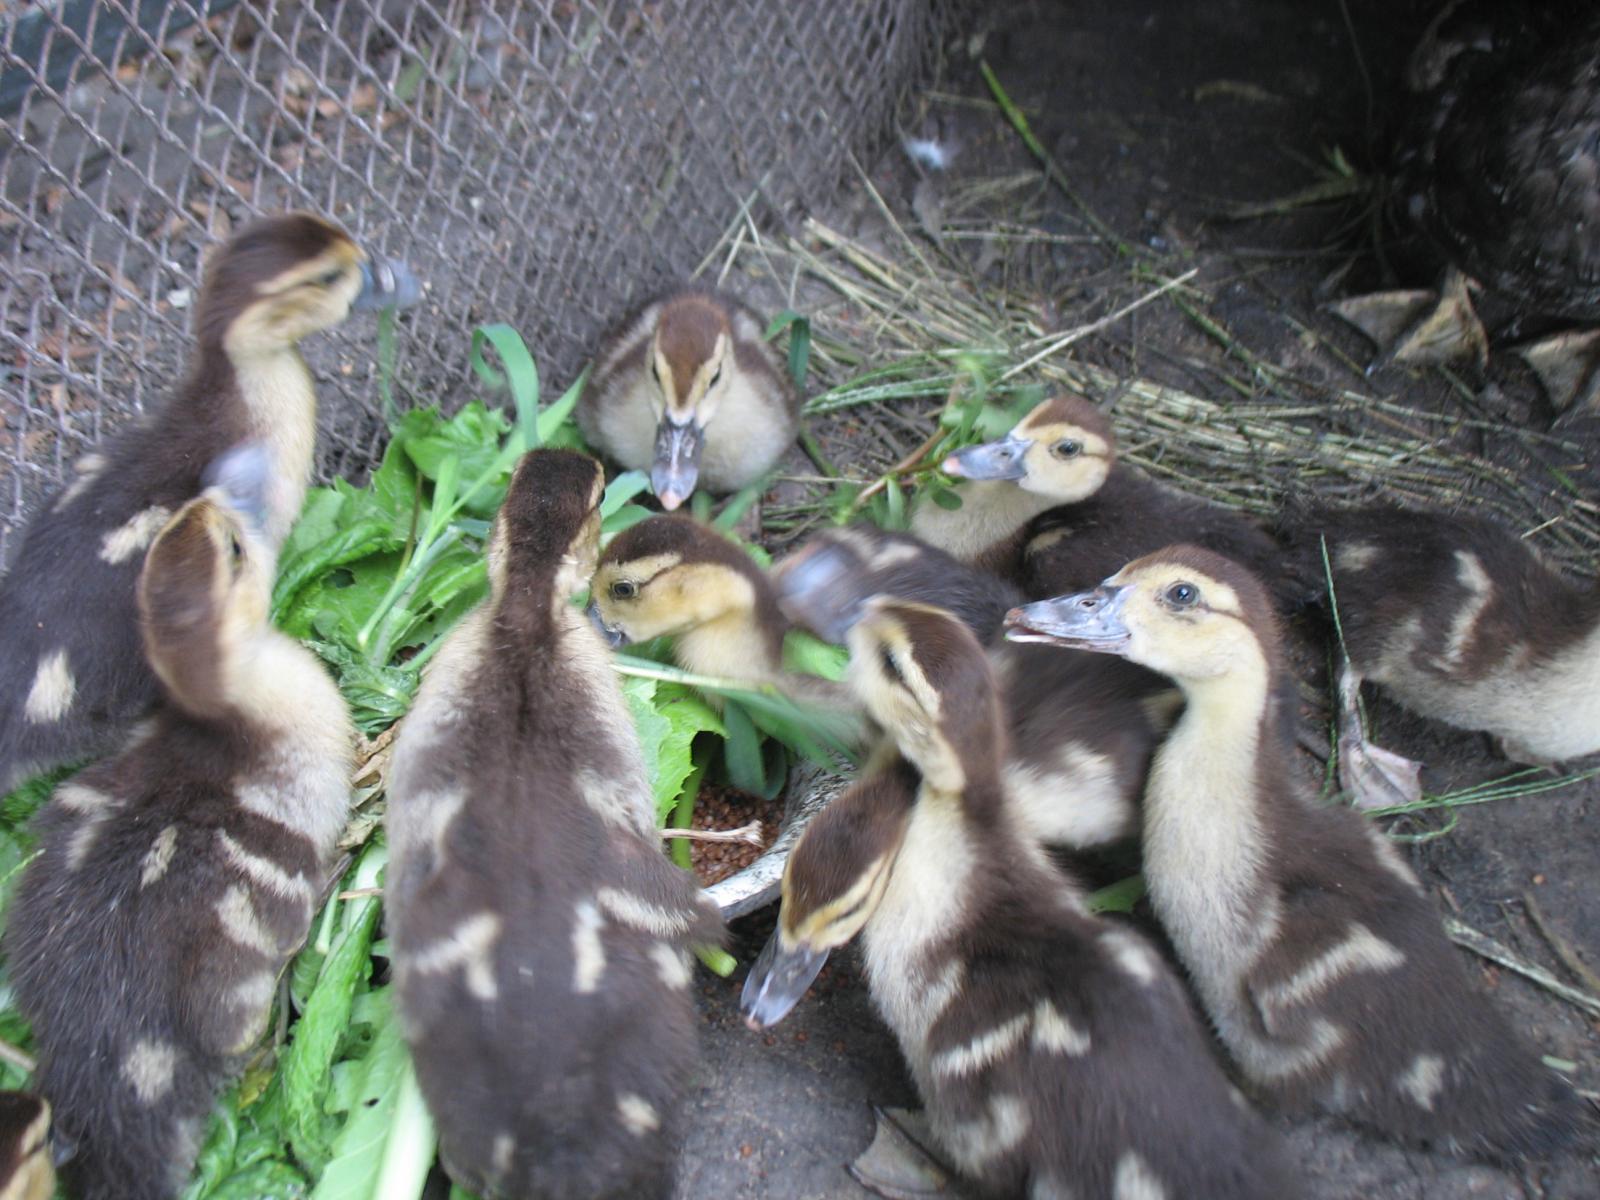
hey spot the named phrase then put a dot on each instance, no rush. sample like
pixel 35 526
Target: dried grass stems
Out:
pixel 898 321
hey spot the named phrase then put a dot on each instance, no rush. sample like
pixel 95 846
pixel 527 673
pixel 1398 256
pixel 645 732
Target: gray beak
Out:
pixel 243 475
pixel 386 283
pixel 1086 621
pixel 992 460
pixel 676 468
pixel 813 591
pixel 777 981
pixel 613 637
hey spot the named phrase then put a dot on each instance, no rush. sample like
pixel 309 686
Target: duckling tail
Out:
pixel 131 1132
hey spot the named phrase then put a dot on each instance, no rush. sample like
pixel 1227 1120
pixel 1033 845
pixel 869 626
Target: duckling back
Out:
pixel 1461 621
pixel 175 879
pixel 541 938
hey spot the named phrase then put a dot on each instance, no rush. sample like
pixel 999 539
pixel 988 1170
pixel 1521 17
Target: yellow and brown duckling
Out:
pixel 541 938
pixel 671 576
pixel 1310 942
pixel 175 879
pixel 1055 1052
pixel 688 389
pixel 1462 621
pixel 1497 167
pixel 71 670
pixel 1050 508
pixel 26 1172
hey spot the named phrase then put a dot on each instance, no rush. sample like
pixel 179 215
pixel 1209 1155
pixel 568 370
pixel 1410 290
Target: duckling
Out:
pixel 26 1172
pixel 1050 508
pixel 541 938
pixel 1497 167
pixel 1462 621
pixel 671 576
pixel 1311 944
pixel 71 670
pixel 175 879
pixel 1056 1053
pixel 688 388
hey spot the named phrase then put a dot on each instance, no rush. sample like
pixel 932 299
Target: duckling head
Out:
pixel 25 1168
pixel 691 366
pixel 923 677
pixel 284 277
pixel 1063 450
pixel 1188 613
pixel 669 575
pixel 206 586
pixel 545 543
pixel 832 884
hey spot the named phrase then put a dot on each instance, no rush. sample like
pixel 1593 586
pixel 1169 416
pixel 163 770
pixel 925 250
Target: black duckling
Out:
pixel 70 665
pixel 1311 944
pixel 1498 165
pixel 688 389
pixel 26 1172
pixel 175 879
pixel 1462 621
pixel 1082 728
pixel 541 938
pixel 1051 509
pixel 1056 1053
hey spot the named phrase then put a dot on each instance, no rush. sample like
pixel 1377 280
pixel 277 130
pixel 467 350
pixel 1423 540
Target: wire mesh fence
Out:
pixel 543 162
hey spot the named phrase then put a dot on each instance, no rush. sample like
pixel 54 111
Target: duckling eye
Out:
pixel 890 667
pixel 235 549
pixel 1182 595
pixel 624 589
pixel 331 277
pixel 1066 448
pixel 716 378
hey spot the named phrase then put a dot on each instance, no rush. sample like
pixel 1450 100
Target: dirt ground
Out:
pixel 1163 116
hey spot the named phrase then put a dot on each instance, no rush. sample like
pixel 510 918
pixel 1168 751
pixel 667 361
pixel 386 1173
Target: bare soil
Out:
pixel 1163 117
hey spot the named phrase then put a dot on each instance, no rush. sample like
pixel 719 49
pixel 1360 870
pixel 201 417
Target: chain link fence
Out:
pixel 542 162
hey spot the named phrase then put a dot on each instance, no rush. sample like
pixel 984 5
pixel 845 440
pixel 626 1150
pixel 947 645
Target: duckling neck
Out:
pixel 990 512
pixel 1205 845
pixel 279 406
pixel 732 646
pixel 926 900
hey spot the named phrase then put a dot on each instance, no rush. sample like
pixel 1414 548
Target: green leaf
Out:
pixel 622 489
pixel 323 1026
pixel 366 537
pixel 742 755
pixel 520 373
pixel 472 438
pixel 270 1179
pixel 946 497
pixel 807 654
pixel 386 1146
pixel 557 415
pixel 799 328
pixel 668 716
pixel 1117 897
pixel 895 502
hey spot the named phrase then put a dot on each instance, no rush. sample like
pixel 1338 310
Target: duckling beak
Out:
pixel 992 460
pixel 243 475
pixel 677 463
pixel 813 591
pixel 1086 621
pixel 613 637
pixel 386 283
pixel 777 981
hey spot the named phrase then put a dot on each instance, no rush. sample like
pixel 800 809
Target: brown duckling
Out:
pixel 26 1172
pixel 541 938
pixel 1460 620
pixel 1082 728
pixel 1311 944
pixel 70 665
pixel 1056 1053
pixel 1050 508
pixel 175 879
pixel 688 389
